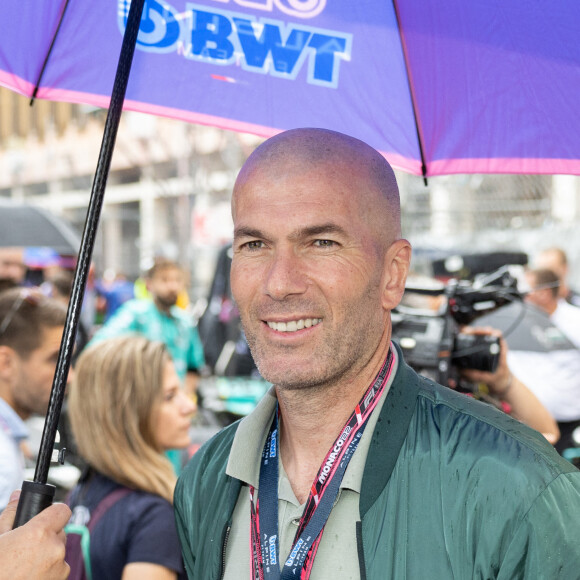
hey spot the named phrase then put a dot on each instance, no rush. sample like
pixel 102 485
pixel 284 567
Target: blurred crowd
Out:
pixel 127 415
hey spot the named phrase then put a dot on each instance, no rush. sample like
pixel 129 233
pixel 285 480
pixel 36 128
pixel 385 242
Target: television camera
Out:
pixel 427 325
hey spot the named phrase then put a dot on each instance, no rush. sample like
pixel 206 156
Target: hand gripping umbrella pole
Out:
pixel 38 494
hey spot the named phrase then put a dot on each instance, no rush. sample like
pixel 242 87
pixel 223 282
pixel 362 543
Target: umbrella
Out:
pixel 527 328
pixel 439 86
pixel 30 226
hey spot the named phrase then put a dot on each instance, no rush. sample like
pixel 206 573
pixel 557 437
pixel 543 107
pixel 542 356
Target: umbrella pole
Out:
pixel 38 494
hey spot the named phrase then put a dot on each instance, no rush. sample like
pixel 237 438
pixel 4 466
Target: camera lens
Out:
pixel 473 351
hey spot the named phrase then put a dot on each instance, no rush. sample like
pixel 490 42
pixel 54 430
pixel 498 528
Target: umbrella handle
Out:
pixel 37 495
pixel 34 497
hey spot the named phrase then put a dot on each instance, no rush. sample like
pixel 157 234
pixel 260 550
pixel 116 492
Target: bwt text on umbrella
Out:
pixel 262 46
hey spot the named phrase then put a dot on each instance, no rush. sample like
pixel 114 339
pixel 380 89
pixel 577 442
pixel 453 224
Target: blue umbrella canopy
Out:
pixel 438 86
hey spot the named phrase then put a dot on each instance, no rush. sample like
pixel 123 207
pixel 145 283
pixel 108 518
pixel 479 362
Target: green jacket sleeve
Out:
pixel 546 544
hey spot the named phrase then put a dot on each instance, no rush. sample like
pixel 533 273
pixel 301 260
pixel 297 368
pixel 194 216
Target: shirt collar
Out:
pixel 11 422
pixel 246 451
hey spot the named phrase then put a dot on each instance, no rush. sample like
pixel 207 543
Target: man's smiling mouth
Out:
pixel 294 325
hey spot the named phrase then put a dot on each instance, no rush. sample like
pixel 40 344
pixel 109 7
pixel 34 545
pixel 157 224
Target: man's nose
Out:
pixel 285 275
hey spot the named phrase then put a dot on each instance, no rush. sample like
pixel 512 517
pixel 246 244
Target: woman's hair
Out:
pixel 113 403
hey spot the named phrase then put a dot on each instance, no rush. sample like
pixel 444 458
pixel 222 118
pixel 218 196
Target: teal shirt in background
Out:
pixel 176 331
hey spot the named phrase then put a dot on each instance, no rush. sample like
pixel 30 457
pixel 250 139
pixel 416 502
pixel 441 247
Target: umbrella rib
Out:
pixel 41 74
pixel 412 92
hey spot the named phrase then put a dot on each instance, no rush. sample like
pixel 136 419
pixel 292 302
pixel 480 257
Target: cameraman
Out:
pixel 506 387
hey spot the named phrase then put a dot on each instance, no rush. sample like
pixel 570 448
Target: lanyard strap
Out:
pixel 264 538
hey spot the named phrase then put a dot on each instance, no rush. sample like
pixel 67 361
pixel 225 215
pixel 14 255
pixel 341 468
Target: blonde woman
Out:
pixel 126 409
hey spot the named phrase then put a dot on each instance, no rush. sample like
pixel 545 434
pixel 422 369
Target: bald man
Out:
pixel 354 466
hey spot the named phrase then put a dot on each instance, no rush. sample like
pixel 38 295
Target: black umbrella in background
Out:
pixel 38 494
pixel 28 226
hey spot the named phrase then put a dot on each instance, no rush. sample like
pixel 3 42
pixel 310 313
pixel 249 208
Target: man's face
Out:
pixel 172 422
pixel 306 275
pixel 549 260
pixel 12 265
pixel 165 286
pixel 542 298
pixel 34 374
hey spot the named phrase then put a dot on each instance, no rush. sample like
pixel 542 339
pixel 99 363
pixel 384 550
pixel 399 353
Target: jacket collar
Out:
pixel 389 434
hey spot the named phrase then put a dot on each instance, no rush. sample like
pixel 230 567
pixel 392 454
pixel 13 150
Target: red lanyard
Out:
pixel 264 542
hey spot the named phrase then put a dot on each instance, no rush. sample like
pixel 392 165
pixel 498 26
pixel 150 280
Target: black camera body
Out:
pixel 430 338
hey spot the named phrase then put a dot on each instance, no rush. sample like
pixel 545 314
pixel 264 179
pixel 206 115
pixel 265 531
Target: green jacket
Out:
pixel 452 489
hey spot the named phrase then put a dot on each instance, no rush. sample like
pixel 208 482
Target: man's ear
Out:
pixel 7 361
pixel 397 263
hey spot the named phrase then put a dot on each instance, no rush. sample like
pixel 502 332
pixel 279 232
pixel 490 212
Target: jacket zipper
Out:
pixel 224 547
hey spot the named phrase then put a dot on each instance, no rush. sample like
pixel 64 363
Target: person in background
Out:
pixel 554 374
pixel 31 327
pixel 502 385
pixel 36 549
pixel 521 402
pixel 140 290
pixel 353 465
pixel 544 293
pixel 158 318
pixel 126 408
pixel 555 259
pixel 12 268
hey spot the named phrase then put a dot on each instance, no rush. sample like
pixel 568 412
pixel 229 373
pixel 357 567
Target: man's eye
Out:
pixel 254 245
pixel 325 243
